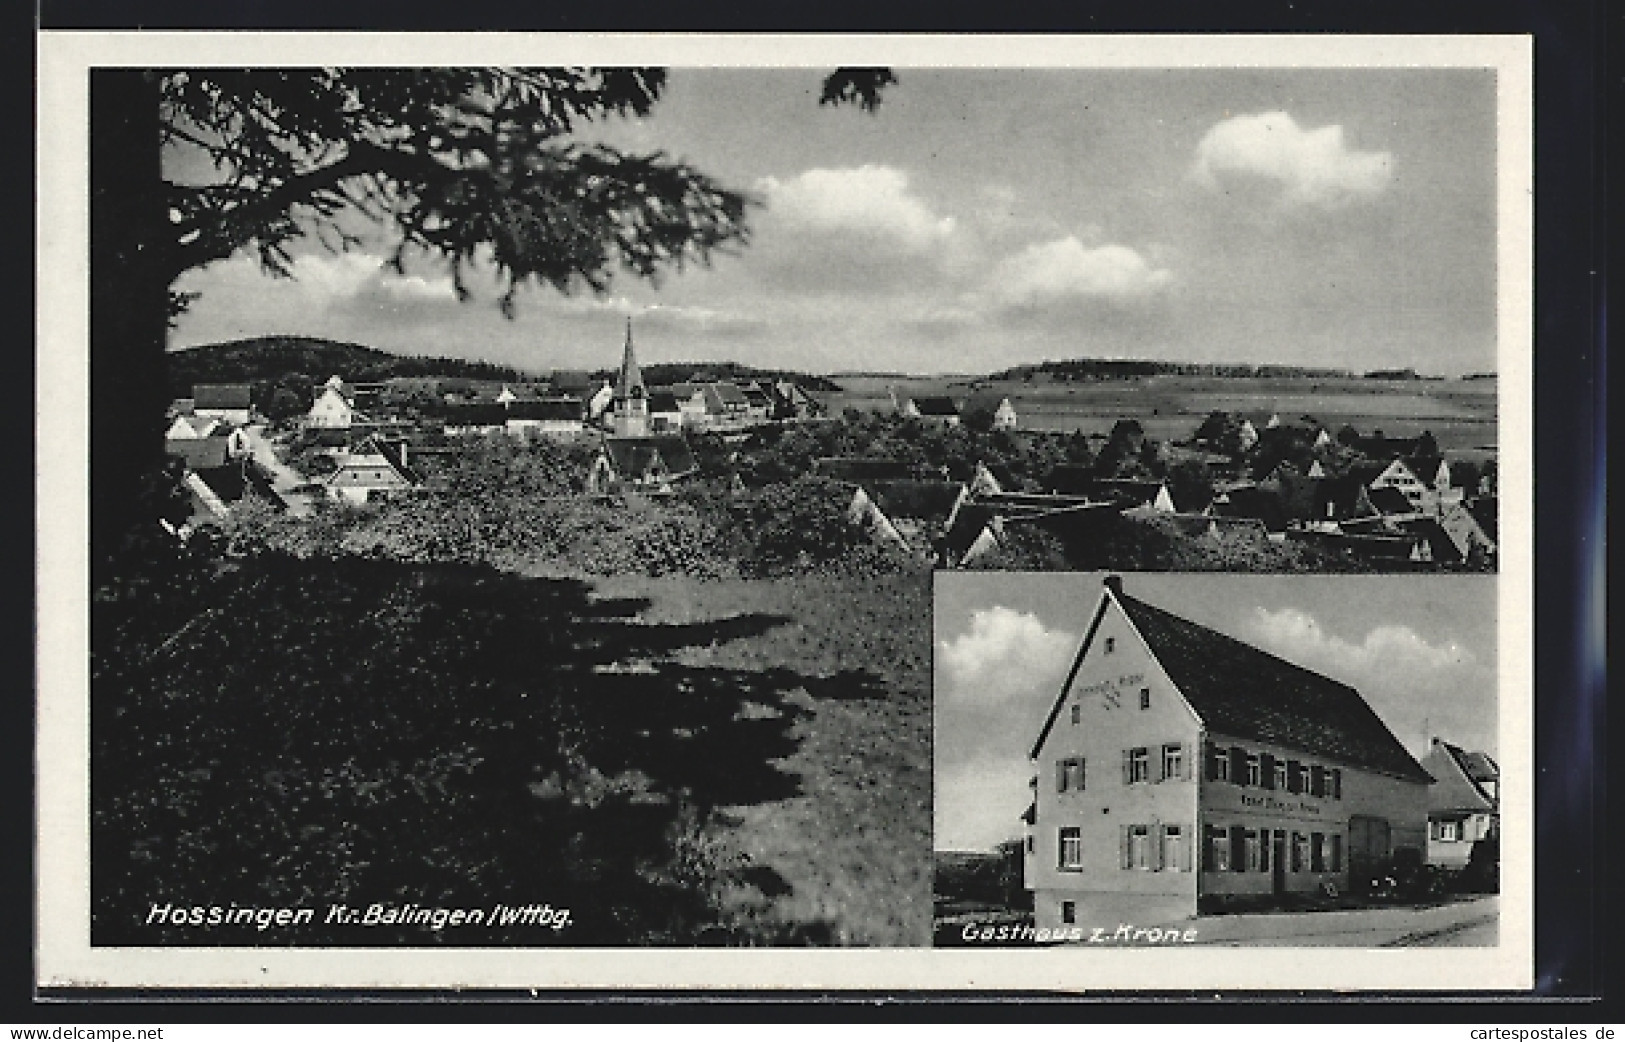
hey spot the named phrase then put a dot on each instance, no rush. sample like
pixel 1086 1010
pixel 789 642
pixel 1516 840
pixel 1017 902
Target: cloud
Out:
pixel 1067 270
pixel 868 200
pixel 1298 636
pixel 1005 653
pixel 1310 167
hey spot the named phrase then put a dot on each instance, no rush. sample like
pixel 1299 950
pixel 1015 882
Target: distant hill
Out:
pixel 1130 368
pixel 661 373
pixel 272 358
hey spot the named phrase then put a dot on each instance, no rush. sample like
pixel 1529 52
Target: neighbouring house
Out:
pixel 200 453
pixel 935 407
pixel 1464 804
pixel 920 510
pixel 217 490
pixel 726 407
pixel 790 402
pixel 230 402
pixel 758 403
pixel 193 426
pixel 1179 769
pixel 551 417
pixel 691 407
pixel 334 407
pixel 375 470
pixel 1002 411
pixel 1130 493
pixel 665 414
pixel 863 512
pixel 1397 474
pixel 652 463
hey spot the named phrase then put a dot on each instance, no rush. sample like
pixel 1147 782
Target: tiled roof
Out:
pixel 198 453
pixel 936 405
pixel 1242 692
pixel 1390 500
pixel 632 456
pixel 1455 788
pixel 546 409
pixel 481 414
pixel 915 498
pixel 663 401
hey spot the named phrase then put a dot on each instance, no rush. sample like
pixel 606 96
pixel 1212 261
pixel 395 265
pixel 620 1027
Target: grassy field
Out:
pixel 1460 413
pixel 851 850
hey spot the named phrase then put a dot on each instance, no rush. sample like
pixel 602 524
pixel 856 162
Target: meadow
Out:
pixel 1461 413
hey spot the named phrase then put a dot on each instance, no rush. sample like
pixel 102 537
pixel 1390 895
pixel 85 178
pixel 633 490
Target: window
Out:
pixel 1450 831
pixel 1255 770
pixel 1069 774
pixel 1303 778
pixel 1255 850
pixel 1337 784
pixel 1173 853
pixel 1069 911
pixel 1279 776
pixel 1218 849
pixel 1173 761
pixel 1145 698
pixel 1111 645
pixel 1077 715
pixel 1071 849
pixel 1263 850
pixel 1317 852
pixel 1029 844
pixel 1300 851
pixel 1218 764
pixel 1139 847
pixel 1138 766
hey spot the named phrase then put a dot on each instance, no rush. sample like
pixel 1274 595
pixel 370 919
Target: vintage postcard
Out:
pixel 925 513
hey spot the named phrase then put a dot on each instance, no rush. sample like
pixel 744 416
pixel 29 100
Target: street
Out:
pixel 1468 922
pixel 283 477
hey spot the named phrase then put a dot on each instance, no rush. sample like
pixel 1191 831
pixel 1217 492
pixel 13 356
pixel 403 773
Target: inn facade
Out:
pixel 1181 770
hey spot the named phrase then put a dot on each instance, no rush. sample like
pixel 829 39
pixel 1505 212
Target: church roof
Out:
pixel 629 383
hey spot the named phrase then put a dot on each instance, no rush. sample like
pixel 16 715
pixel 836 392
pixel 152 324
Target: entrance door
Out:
pixel 1368 847
pixel 1278 862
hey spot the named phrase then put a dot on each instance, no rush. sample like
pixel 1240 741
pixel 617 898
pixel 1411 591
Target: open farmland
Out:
pixel 1460 413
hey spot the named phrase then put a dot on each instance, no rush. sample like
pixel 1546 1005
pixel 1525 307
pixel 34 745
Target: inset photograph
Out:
pixel 1183 759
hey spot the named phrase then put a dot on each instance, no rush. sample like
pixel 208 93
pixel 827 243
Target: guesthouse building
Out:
pixel 1180 770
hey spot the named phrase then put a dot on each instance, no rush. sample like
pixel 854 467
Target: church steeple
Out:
pixel 631 394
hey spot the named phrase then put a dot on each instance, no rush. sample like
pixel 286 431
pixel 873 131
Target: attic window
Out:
pixel 1145 698
pixel 1077 714
pixel 1111 645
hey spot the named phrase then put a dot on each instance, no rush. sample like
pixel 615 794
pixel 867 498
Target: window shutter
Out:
pixel 1238 848
pixel 1122 845
pixel 1185 757
pixel 1156 838
pixel 1263 850
pixel 1293 784
pixel 1238 765
pixel 1186 838
pixel 1128 775
pixel 1210 757
pixel 1266 768
pixel 1060 775
pixel 1337 783
pixel 1083 779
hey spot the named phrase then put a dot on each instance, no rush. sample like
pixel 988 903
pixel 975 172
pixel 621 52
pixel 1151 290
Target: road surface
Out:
pixel 1468 922
pixel 283 477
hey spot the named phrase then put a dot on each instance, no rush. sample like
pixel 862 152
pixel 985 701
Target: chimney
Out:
pixel 1114 583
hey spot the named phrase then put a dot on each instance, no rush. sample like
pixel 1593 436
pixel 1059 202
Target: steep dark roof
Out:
pixel 547 409
pixel 936 405
pixel 1070 479
pixel 1241 691
pixel 576 381
pixel 915 498
pixel 220 396
pixel 198 453
pixel 632 456
pixel 233 481
pixel 479 414
pixel 1457 789
pixel 663 401
pixel 1484 510
pixel 1390 500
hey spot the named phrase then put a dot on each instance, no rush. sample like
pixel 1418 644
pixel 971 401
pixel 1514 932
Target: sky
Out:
pixel 984 218
pixel 1420 649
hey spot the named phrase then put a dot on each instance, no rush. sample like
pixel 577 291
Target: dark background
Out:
pixel 1578 85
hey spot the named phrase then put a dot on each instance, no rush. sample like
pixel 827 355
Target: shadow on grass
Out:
pixel 848 685
pixel 375 741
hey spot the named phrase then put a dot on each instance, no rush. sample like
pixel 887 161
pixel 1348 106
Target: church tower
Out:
pixel 631 396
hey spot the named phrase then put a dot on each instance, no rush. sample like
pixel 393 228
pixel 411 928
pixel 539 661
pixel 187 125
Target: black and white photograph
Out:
pixel 547 495
pixel 1155 759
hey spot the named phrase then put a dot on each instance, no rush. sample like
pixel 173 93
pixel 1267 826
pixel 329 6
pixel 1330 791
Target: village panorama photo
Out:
pixel 521 497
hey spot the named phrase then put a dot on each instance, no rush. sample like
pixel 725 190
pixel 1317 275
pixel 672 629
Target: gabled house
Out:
pixel 217 490
pixel 476 418
pixel 334 407
pixel 184 427
pixel 726 407
pixel 374 470
pixel 936 407
pixel 665 414
pixel 231 402
pixel 758 403
pixel 1179 769
pixel 651 463
pixel 1132 493
pixel 1464 804
pixel 200 453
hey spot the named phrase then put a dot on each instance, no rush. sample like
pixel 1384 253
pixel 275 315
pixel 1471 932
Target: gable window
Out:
pixel 1077 715
pixel 1145 698
pixel 1136 765
pixel 1255 770
pixel 1069 774
pixel 1111 645
pixel 1070 849
pixel 1173 761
